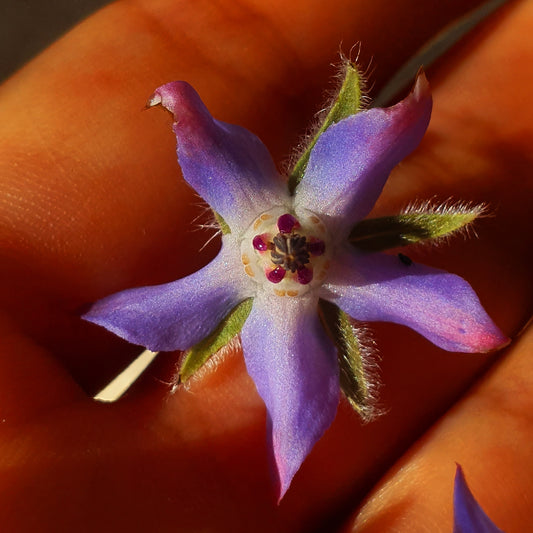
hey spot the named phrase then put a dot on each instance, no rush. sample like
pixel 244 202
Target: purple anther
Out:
pixel 304 275
pixel 276 275
pixel 286 223
pixel 259 243
pixel 316 247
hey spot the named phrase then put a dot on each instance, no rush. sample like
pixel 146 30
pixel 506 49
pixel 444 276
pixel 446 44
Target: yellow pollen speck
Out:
pixel 314 220
pixel 265 216
pixel 245 259
pixel 279 293
pixel 249 271
pixel 257 223
pixel 292 293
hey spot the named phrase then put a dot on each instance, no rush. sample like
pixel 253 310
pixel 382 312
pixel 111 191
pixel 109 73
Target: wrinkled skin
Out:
pixel 92 203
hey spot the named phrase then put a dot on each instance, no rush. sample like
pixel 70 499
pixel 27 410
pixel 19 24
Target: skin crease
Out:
pixel 92 203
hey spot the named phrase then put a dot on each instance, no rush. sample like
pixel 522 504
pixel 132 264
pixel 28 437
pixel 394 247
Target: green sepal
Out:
pixel 351 368
pixel 222 224
pixel 231 326
pixel 377 234
pixel 347 102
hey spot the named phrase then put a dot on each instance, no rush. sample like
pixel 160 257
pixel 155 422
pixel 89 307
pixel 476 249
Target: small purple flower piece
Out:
pixel 304 275
pixel 468 516
pixel 276 275
pixel 286 223
pixel 259 243
pixel 287 353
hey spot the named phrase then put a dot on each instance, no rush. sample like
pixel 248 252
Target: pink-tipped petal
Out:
pixel 352 160
pixel 468 516
pixel 177 315
pixel 294 366
pixel 228 166
pixel 440 306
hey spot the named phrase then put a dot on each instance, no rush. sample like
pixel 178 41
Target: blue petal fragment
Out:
pixel 177 315
pixel 352 160
pixel 228 166
pixel 294 367
pixel 468 516
pixel 440 306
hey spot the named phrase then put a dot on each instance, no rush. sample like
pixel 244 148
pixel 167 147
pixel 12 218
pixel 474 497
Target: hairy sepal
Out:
pixel 346 102
pixel 352 377
pixel 413 226
pixel 222 224
pixel 197 356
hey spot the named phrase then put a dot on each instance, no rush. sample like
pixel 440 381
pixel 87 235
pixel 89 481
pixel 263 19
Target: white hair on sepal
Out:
pixel 444 207
pixel 370 360
pixel 206 221
pixel 211 365
pixel 449 207
pixel 340 74
pixel 365 74
pixel 330 97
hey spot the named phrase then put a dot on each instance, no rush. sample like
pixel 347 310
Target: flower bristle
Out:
pixel 330 96
pixel 449 207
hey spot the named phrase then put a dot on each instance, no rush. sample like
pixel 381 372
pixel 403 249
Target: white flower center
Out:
pixel 285 254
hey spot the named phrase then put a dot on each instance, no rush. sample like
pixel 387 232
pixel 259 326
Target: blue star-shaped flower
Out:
pixel 287 252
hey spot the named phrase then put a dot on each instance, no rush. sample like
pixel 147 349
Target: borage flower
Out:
pixel 285 251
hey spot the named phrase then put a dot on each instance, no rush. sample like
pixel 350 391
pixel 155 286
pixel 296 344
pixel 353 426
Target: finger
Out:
pixel 144 466
pixel 33 386
pixel 488 433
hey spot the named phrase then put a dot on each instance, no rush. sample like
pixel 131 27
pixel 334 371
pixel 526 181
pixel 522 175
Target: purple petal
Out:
pixel 228 166
pixel 468 516
pixel 176 315
pixel 294 366
pixel 352 160
pixel 440 306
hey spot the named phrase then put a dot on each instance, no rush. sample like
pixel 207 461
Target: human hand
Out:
pixel 93 203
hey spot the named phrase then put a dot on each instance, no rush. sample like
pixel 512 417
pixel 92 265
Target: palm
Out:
pixel 93 203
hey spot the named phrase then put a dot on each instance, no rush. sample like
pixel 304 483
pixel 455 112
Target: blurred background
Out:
pixel 28 26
